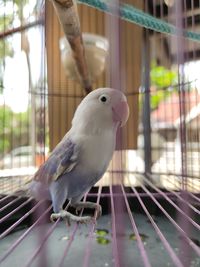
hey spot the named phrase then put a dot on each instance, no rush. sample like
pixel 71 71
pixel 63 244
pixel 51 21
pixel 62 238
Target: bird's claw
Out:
pixel 98 211
pixel 85 220
pixel 78 209
pixel 90 205
pixel 68 217
pixel 54 217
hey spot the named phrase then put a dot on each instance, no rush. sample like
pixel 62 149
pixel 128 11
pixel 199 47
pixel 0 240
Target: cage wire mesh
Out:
pixel 149 195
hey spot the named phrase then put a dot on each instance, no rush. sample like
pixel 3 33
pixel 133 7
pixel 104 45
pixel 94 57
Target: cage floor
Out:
pixel 140 226
pixel 100 245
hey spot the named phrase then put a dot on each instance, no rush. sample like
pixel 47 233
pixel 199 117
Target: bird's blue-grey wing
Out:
pixel 62 160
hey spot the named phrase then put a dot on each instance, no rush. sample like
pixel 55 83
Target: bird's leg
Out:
pixel 90 205
pixel 65 215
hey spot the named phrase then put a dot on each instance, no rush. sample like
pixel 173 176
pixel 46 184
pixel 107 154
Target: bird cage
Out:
pixel 150 192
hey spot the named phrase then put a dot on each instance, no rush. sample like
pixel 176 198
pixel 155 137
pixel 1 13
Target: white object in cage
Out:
pixel 96 50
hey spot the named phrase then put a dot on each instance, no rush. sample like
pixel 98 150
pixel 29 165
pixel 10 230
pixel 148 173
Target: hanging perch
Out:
pixel 69 19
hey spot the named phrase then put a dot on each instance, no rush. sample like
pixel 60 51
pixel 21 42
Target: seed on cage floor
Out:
pixel 101 232
pixel 142 236
pixel 64 238
pixel 102 240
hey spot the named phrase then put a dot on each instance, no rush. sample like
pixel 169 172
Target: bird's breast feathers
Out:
pixel 97 150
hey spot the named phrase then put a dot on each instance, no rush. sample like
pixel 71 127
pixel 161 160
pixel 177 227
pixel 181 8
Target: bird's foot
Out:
pixel 68 217
pixel 90 205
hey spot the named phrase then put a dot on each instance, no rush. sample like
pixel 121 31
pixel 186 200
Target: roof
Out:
pixel 168 112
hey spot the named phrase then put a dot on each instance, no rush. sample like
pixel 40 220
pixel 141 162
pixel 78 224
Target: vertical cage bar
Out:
pixel 185 250
pixel 146 103
pixel 115 80
pixel 180 62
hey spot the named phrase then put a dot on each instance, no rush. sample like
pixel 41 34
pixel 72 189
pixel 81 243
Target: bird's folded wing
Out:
pixel 62 160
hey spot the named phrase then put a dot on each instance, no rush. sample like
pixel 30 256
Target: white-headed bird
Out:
pixel 83 155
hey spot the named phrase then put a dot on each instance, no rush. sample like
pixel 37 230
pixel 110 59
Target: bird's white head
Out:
pixel 103 108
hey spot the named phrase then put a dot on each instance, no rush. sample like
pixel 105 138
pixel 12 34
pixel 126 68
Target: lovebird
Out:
pixel 83 155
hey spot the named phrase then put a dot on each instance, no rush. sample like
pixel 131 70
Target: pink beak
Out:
pixel 121 112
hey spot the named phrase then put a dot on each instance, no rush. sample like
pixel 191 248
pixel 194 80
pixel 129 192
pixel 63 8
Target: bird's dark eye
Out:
pixel 104 98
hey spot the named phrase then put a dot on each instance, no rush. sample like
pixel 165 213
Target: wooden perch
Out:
pixel 68 16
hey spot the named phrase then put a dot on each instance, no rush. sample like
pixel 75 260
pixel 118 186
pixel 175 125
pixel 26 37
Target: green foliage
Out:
pixel 14 128
pixel 162 77
pixel 161 81
pixel 5 22
pixel 5 47
pixel 21 2
pixel 158 97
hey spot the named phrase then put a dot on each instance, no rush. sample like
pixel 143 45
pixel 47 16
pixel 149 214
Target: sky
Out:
pixel 192 72
pixel 16 75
